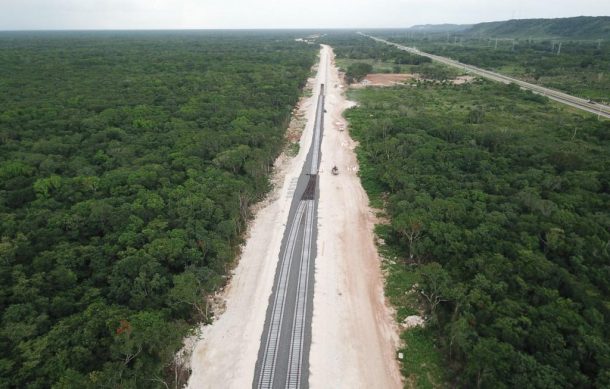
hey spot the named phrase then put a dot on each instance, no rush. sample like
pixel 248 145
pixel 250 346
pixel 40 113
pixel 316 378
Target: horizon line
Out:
pixel 278 28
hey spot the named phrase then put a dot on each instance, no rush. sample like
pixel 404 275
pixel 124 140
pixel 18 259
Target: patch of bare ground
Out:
pixel 393 79
pixel 384 79
pixel 460 80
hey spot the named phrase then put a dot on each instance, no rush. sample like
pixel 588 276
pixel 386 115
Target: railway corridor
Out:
pixel 283 359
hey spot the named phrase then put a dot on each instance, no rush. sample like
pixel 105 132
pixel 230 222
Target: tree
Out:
pixel 357 71
pixel 435 285
pixel 410 228
pixel 189 290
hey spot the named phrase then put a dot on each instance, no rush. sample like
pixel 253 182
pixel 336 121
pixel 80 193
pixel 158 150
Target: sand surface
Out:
pixel 354 336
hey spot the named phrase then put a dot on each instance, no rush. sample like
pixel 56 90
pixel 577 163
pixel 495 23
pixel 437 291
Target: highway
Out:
pixel 283 357
pixel 576 102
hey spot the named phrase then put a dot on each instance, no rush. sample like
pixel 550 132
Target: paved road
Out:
pixel 283 358
pixel 585 105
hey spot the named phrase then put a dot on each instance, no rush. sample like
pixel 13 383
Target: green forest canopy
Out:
pixel 127 165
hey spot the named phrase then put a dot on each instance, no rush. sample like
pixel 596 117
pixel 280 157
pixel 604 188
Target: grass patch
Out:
pixel 421 363
pixel 293 149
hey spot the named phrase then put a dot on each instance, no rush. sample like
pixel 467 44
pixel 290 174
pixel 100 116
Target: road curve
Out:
pixel 283 357
pixel 576 102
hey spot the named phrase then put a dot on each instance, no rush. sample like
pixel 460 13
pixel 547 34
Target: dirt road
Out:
pixel 353 333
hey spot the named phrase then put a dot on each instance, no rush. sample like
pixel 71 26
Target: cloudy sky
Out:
pixel 164 14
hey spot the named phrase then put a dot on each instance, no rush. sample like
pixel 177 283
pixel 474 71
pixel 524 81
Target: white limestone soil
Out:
pixel 225 354
pixel 354 336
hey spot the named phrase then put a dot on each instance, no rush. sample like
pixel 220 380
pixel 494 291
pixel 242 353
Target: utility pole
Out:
pixel 513 49
pixel 559 49
pixel 496 44
pixel 599 44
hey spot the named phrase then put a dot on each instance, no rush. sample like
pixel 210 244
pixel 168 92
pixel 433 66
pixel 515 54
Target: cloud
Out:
pixel 162 14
